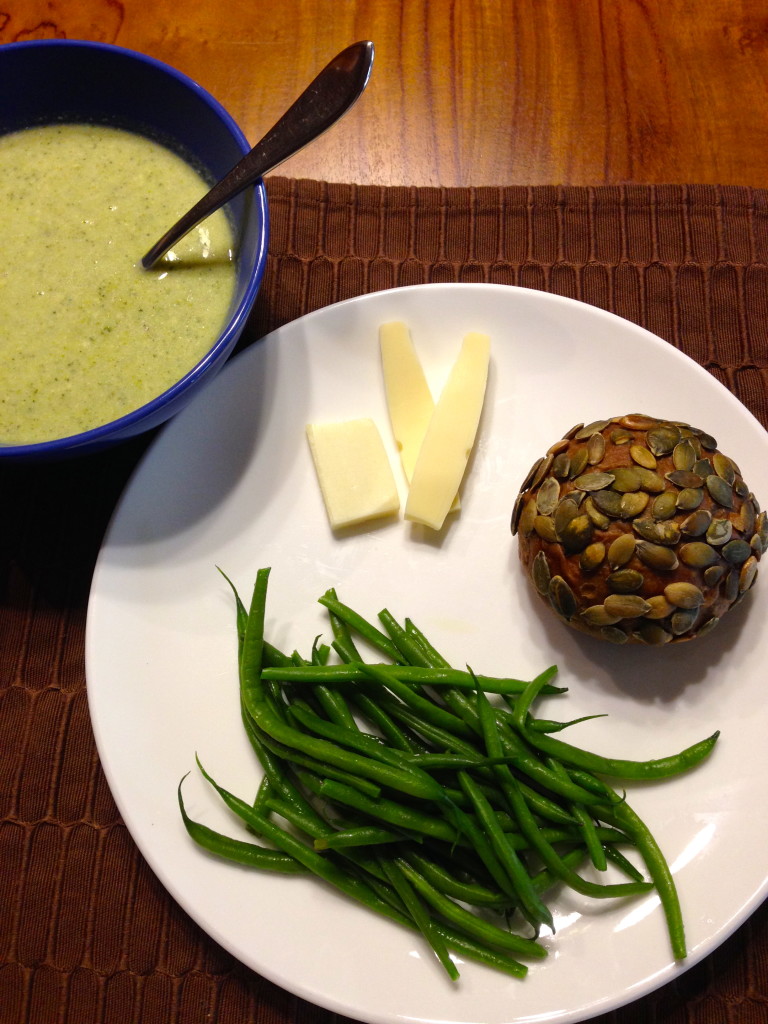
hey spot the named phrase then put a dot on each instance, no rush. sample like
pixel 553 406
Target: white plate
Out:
pixel 230 483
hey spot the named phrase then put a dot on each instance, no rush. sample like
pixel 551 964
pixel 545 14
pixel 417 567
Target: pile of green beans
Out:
pixel 400 783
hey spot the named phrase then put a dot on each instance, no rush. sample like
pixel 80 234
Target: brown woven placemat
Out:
pixel 87 934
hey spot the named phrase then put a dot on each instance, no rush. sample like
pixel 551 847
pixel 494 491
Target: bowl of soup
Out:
pixel 102 149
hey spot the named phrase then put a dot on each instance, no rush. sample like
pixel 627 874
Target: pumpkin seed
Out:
pixel 697 555
pixel 696 523
pixel 567 509
pixel 625 581
pixel 731 585
pixel 638 421
pixel 724 468
pixel 561 465
pixel 657 556
pixel 690 498
pixel 706 440
pixel 684 455
pixel 542 468
pixel 708 626
pixel 619 437
pixel 664 505
pixel 527 517
pixel 545 528
pixel 591 428
pixel 547 496
pixel 748 574
pixel 621 550
pixel 517 508
pixel 601 521
pixel 593 481
pixel 562 597
pixel 540 573
pixel 683 595
pixel 570 434
pixel 683 620
pixel 736 552
pixel 592 556
pixel 684 478
pixel 626 606
pixel 713 574
pixel 720 491
pixel 761 528
pixel 663 532
pixel 579 458
pixel 598 615
pixel 614 635
pixel 558 447
pixel 660 607
pixel 719 532
pixel 608 502
pixel 577 534
pixel 642 456
pixel 740 488
pixel 650 480
pixel 745 519
pixel 653 634
pixel 703 467
pixel 757 545
pixel 625 479
pixel 663 438
pixel 595 449
pixel 633 503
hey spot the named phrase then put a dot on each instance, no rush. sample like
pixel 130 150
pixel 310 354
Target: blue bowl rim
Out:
pixel 121 428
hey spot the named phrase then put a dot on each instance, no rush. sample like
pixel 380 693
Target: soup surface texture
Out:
pixel 86 334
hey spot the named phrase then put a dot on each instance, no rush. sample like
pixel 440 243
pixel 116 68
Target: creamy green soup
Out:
pixel 86 334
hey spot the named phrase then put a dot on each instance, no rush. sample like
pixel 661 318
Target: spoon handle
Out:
pixel 321 104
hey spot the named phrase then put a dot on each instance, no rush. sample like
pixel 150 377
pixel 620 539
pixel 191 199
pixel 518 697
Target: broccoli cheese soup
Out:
pixel 86 334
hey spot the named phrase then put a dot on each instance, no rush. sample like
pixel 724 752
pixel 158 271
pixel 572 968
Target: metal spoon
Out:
pixel 321 104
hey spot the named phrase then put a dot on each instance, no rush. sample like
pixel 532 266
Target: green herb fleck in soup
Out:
pixel 86 334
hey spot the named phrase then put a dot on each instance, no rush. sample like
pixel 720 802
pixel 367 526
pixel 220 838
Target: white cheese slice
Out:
pixel 353 470
pixel 409 399
pixel 450 436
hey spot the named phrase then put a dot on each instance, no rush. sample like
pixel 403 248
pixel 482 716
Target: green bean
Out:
pixel 419 915
pixel 424 707
pixel 660 873
pixel 588 827
pixel 470 924
pixel 354 739
pixel 364 785
pixel 534 834
pixel 389 729
pixel 626 865
pixel 378 640
pixel 311 860
pixel 356 672
pixel 389 811
pixel 343 643
pixel 660 768
pixel 473 893
pixel 446 804
pixel 534 910
pixel 249 854
pixel 480 953
pixel 361 835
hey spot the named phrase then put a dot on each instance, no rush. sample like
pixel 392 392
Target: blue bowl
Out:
pixel 72 80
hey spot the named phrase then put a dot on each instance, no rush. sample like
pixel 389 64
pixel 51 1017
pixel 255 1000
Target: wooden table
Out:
pixel 473 92
pixel 519 94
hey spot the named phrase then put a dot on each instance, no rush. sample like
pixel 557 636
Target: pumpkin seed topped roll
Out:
pixel 639 530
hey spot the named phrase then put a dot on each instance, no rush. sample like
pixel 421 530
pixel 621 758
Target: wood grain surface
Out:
pixel 472 92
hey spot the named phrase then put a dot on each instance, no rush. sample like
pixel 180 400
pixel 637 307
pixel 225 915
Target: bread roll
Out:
pixel 639 530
